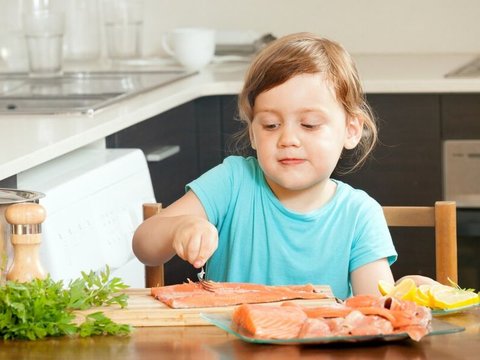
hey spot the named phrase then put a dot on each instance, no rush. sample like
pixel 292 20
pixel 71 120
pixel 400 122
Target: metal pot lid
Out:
pixel 11 196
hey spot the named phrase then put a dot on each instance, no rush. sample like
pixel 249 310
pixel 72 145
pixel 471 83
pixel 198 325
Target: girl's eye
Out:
pixel 311 122
pixel 270 126
pixel 310 125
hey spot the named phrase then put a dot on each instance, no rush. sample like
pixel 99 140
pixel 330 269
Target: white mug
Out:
pixel 193 48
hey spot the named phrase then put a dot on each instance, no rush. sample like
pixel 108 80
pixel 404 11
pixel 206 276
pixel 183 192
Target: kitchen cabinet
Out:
pixel 405 166
pixel 460 116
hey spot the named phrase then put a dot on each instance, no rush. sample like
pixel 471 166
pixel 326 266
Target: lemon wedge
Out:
pixel 385 287
pixel 405 290
pixel 448 298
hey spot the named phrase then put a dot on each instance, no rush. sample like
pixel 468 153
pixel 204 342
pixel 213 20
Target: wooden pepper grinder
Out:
pixel 25 220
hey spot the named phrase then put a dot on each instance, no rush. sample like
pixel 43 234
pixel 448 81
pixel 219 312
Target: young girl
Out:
pixel 279 218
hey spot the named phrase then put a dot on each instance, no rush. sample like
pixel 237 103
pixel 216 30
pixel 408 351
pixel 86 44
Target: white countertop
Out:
pixel 29 140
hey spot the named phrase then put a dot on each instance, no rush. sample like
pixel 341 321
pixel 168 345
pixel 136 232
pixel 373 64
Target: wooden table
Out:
pixel 209 342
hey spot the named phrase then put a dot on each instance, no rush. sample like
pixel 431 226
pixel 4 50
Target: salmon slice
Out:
pixel 366 300
pixel 265 322
pixel 327 311
pixel 192 295
pixel 415 332
pixel 313 328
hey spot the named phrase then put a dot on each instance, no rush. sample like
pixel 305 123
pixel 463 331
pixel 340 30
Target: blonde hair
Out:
pixel 306 53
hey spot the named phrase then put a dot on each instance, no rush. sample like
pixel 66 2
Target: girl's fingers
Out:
pixel 196 242
pixel 208 246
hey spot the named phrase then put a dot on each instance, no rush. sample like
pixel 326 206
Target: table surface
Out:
pixel 209 342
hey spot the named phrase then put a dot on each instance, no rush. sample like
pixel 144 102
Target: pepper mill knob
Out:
pixel 25 220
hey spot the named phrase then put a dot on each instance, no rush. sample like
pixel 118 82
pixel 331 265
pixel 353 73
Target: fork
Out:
pixel 208 285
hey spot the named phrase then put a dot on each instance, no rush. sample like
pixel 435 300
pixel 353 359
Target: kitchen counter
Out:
pixel 29 140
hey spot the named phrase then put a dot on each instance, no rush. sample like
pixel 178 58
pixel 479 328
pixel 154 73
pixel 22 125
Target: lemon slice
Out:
pixel 385 287
pixel 405 290
pixel 448 298
pixel 423 296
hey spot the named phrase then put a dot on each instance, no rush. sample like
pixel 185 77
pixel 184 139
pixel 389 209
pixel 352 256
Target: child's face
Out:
pixel 299 130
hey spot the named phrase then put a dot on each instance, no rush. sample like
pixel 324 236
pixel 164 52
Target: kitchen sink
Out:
pixel 469 70
pixel 77 92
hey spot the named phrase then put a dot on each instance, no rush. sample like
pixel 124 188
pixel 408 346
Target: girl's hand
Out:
pixel 195 240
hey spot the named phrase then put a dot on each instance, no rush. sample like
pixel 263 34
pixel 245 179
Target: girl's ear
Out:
pixel 353 132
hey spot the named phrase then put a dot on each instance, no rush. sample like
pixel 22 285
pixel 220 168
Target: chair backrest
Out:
pixel 443 217
pixel 154 275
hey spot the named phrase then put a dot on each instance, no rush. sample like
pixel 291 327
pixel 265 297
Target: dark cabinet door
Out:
pixel 208 117
pixel 405 167
pixel 460 116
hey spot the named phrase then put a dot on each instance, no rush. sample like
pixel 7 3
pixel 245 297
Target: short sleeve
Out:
pixel 373 240
pixel 215 187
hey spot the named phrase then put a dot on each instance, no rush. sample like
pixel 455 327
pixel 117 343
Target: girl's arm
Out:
pixel 365 279
pixel 180 228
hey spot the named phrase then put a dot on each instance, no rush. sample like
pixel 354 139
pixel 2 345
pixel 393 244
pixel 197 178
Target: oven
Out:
pixel 461 171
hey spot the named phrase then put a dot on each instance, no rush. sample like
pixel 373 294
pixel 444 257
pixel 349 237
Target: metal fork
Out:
pixel 208 285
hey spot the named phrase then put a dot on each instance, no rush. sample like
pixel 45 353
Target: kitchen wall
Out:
pixel 363 26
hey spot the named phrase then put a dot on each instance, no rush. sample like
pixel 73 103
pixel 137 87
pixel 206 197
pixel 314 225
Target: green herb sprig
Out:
pixel 43 307
pixel 456 286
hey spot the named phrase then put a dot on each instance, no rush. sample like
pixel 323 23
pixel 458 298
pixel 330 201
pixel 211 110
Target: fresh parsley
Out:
pixel 44 307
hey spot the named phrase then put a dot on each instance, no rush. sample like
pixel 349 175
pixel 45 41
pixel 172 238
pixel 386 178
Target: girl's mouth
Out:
pixel 291 161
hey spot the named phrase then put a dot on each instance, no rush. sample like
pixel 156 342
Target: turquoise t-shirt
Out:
pixel 261 241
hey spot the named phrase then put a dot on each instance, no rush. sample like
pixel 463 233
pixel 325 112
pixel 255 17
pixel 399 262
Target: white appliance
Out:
pixel 94 203
pixel 461 172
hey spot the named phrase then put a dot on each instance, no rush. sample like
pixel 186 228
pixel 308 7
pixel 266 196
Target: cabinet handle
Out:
pixel 162 152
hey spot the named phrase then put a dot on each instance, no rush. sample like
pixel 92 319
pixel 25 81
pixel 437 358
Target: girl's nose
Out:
pixel 288 137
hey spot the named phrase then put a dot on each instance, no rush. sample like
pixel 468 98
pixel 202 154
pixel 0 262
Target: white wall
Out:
pixel 363 26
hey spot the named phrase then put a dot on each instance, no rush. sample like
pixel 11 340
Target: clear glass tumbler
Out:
pixel 124 28
pixel 44 31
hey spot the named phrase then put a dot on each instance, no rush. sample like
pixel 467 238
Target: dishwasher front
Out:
pixel 93 199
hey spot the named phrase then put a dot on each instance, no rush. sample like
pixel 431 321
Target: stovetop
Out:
pixel 77 92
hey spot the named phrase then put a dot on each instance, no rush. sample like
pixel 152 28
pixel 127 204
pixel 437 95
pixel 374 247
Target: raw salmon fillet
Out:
pixel 359 315
pixel 264 322
pixel 192 295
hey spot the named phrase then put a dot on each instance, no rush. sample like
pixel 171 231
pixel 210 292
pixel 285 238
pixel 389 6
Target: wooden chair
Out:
pixel 443 217
pixel 154 275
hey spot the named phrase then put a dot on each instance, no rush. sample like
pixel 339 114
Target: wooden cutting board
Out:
pixel 144 310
